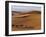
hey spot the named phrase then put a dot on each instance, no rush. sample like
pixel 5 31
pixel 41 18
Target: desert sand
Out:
pixel 26 21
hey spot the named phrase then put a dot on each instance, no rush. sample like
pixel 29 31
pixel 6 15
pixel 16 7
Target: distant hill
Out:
pixel 22 14
pixel 39 12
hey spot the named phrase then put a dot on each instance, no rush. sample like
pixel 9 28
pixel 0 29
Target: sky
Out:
pixel 25 8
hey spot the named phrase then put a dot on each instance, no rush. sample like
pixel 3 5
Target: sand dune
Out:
pixel 26 21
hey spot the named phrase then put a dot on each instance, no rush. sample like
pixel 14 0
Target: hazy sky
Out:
pixel 25 8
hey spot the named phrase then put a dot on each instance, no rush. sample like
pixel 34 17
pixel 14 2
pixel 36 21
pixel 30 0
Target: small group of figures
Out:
pixel 23 27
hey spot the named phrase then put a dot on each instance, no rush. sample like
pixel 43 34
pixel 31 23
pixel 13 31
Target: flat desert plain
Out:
pixel 26 21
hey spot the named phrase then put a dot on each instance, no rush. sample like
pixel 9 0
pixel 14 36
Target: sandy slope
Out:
pixel 26 22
